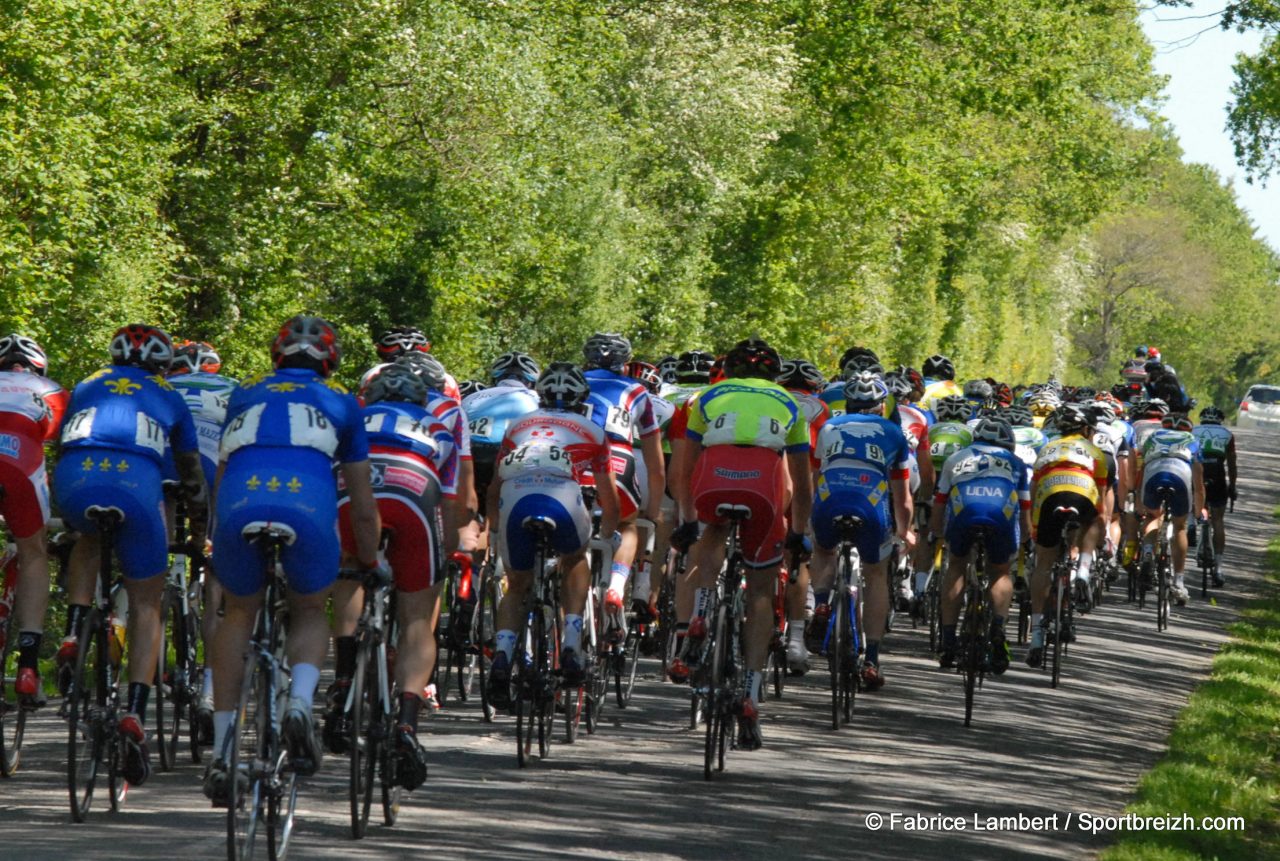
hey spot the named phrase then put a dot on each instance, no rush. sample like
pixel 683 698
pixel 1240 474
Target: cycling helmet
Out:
pixel 939 367
pixel 694 366
pixel 1210 415
pixel 913 377
pixel 899 385
pixel 753 358
pixel 865 357
pixel 645 373
pixel 428 368
pixel 607 350
pixel 562 387
pixel 1156 408
pixel 399 340
pixel 1003 393
pixel 1080 394
pixel 467 388
pixel 142 346
pixel 1176 421
pixel 1153 353
pixel 192 356
pixel 978 390
pixel 1071 419
pixel 516 366
pixel 1043 403
pixel 1141 352
pixel 859 362
pixel 306 341
pixel 18 349
pixel 994 430
pixel 952 408
pixel 864 392
pixel 801 374
pixel 396 382
pixel 667 368
pixel 1019 416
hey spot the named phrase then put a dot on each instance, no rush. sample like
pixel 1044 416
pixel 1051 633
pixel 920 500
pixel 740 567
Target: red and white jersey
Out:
pixel 914 425
pixel 553 442
pixel 31 410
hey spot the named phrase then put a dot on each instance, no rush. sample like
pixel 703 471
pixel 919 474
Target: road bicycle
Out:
pixel 842 642
pixel 179 670
pixel 975 628
pixel 1206 558
pixel 1059 621
pixel 536 673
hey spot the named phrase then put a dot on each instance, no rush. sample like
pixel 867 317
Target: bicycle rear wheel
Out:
pixel 282 802
pixel 1162 598
pixel 363 742
pixel 1060 598
pixel 598 668
pixel 716 705
pixel 13 715
pixel 628 667
pixel 972 652
pixel 549 660
pixel 391 794
pixel 482 635
pixel 933 608
pixel 667 620
pixel 838 649
pixel 248 740
pixel 85 709
pixel 168 713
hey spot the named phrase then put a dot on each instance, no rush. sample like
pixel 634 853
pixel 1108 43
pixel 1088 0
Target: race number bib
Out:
pixel 149 434
pixel 480 427
pixel 79 426
pixel 242 430
pixel 618 422
pixel 537 456
pixel 309 428
pixel 414 430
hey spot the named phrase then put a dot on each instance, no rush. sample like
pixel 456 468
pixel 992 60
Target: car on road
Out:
pixel 1260 408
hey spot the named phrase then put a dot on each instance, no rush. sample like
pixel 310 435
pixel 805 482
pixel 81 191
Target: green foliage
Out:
pixel 917 177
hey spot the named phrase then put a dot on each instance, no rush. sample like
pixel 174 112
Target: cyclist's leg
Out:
pixel 631 483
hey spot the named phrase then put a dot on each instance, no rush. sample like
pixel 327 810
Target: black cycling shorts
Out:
pixel 1216 491
pixel 1049 528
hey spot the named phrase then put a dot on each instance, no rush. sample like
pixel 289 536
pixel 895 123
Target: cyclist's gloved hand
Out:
pixel 799 545
pixel 683 536
pixel 1231 492
pixel 380 570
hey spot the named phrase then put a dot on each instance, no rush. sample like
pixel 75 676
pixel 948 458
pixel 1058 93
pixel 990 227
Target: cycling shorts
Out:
pixel 631 478
pixel 25 504
pixel 257 485
pixel 484 456
pixel 1216 490
pixel 549 496
pixel 93 475
pixel 750 476
pixel 1051 520
pixel 1156 476
pixel 1002 537
pixel 861 493
pixel 408 497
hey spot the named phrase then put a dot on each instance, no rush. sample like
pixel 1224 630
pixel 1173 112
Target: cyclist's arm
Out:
pixel 1231 467
pixel 491 501
pixel 1197 484
pixel 365 522
pixel 928 475
pixel 684 454
pixel 192 475
pixel 656 466
pixel 900 488
pixel 464 531
pixel 802 488
pixel 607 497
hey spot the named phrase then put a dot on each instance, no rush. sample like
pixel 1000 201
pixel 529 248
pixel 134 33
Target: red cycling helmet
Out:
pixel 399 340
pixel 142 346
pixel 307 337
pixel 192 356
pixel 18 349
pixel 645 373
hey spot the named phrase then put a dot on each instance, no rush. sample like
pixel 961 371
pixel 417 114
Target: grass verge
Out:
pixel 1224 751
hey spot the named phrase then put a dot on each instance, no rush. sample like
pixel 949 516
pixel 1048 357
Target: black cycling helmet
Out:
pixel 994 430
pixel 938 367
pixel 396 382
pixel 753 358
pixel 1212 415
pixel 694 366
pixel 467 388
pixel 979 390
pixel 865 354
pixel 667 368
pixel 953 408
pixel 1019 416
pixel 864 392
pixel 607 350
pixel 899 386
pixel 859 362
pixel 515 365
pixel 1072 419
pixel 801 374
pixel 428 368
pixel 562 387
pixel 18 349
pixel 399 340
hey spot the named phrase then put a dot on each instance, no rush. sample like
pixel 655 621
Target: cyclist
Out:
pixel 916 426
pixel 402 341
pixel 1218 455
pixel 31 410
pixel 855 360
pixel 544 459
pixel 1070 472
pixel 413 457
pixel 194 373
pixel 939 380
pixel 947 435
pixel 467 388
pixel 624 409
pixel 286 432
pixel 751 435
pixel 982 485
pixel 127 428
pixel 1170 457
pixel 492 410
pixel 804 381
pixel 643 596
pixel 1148 417
pixel 866 466
pixel 667 368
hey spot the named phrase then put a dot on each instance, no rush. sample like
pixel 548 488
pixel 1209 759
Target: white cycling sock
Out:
pixel 505 640
pixel 206 689
pixel 754 677
pixel 809 603
pixel 1037 633
pixel 1178 579
pixel 1086 565
pixel 572 632
pixel 922 582
pixel 618 575
pixel 222 722
pixel 304 678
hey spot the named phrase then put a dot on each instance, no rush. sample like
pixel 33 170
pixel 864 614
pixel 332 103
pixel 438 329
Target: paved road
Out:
pixel 636 790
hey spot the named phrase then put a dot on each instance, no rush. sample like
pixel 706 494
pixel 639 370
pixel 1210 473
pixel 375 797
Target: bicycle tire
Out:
pixel 598 669
pixel 837 653
pixel 391 794
pixel 1060 598
pixel 776 664
pixel 482 635
pixel 973 651
pixel 86 732
pixel 667 619
pixel 13 714
pixel 933 608
pixel 1162 599
pixel 246 809
pixel 196 681
pixel 282 804
pixel 362 741
pixel 549 660
pixel 852 662
pixel 168 721
pixel 628 669
pixel 717 708
pixel 525 676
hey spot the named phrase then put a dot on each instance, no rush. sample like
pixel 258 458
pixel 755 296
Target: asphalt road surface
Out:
pixel 635 789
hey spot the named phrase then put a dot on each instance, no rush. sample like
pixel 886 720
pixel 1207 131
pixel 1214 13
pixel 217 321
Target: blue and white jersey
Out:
pixel 491 411
pixel 133 410
pixel 621 406
pixel 207 396
pixel 867 442
pixel 984 476
pixel 1214 441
